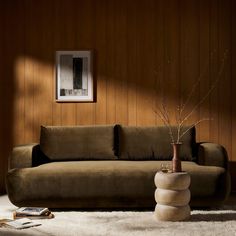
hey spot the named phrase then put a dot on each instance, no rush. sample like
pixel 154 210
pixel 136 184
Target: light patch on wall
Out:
pixel 33 82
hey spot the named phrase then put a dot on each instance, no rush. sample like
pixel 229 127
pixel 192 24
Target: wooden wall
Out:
pixel 135 43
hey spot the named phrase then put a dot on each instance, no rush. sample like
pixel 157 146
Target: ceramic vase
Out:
pixel 176 161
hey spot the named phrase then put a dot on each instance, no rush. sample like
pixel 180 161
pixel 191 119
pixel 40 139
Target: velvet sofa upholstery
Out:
pixel 123 178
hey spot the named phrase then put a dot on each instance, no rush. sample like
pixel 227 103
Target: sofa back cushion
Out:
pixel 153 143
pixel 78 142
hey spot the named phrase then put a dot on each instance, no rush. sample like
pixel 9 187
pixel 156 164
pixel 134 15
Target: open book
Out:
pixel 22 223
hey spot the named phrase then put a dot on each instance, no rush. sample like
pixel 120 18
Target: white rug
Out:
pixel 118 223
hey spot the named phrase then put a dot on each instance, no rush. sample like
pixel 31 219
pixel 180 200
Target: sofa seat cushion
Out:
pixel 61 182
pixel 153 143
pixel 78 142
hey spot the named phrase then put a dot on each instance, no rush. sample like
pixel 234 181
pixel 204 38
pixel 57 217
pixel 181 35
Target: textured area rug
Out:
pixel 117 223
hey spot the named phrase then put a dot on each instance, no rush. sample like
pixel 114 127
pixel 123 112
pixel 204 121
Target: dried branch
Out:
pixel 169 126
pixel 208 92
pixel 166 122
pixel 164 114
pixel 195 124
pixel 195 85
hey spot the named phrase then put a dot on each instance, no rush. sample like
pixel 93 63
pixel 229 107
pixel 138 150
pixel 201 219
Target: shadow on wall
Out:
pixel 33 98
pixel 7 90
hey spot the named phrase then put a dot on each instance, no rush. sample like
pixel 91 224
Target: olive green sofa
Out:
pixel 111 166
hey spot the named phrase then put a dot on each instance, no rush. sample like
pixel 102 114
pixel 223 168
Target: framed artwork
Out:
pixel 74 77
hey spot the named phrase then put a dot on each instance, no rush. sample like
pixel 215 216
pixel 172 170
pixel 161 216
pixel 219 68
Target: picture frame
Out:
pixel 74 76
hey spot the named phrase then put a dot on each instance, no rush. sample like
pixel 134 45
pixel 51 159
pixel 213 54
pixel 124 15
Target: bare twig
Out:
pixel 195 124
pixel 195 85
pixel 166 122
pixel 208 92
pixel 164 114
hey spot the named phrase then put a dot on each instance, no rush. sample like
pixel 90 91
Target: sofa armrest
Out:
pixel 21 156
pixel 212 154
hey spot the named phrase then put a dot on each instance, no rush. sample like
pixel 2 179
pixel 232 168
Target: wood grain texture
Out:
pixel 225 81
pixel 110 50
pixel 120 61
pixel 8 87
pixel 233 93
pixel 101 62
pixel 31 63
pixel 204 67
pixel 171 56
pixel 1 104
pixel 190 58
pixel 233 73
pixel 214 65
pixel 135 44
pixel 68 42
pixel 159 55
pixel 132 63
pixel 85 16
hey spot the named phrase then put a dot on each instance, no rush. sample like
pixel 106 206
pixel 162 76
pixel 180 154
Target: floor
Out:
pixel 128 223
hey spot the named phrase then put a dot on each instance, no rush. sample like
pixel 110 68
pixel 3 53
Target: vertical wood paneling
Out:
pixel 19 74
pixel 2 160
pixel 214 66
pixel 233 89
pixel 139 79
pixel 101 62
pixel 132 62
pixel 45 77
pixel 67 22
pixel 204 72
pixel 225 81
pixel 171 56
pixel 147 69
pixel 110 48
pixel 37 73
pixel 135 44
pixel 159 55
pixel 57 45
pixel 85 19
pixel 145 54
pixel 190 58
pixel 43 72
pixel 120 55
pixel 7 85
pixel 30 71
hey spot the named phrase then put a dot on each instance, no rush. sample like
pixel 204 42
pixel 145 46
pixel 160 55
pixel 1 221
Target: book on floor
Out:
pixel 31 210
pixel 33 213
pixel 22 223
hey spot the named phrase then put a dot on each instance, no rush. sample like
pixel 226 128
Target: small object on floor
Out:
pixel 32 210
pixel 33 213
pixel 22 223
